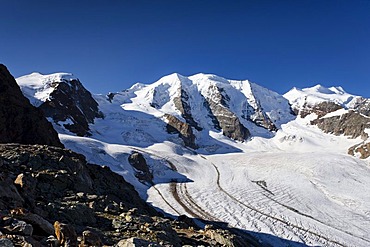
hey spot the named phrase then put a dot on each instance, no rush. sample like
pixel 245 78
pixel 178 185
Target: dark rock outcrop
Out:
pixel 351 124
pixel 142 171
pixel 174 125
pixel 71 101
pixel 226 120
pixel 20 122
pixel 182 104
pixel 261 119
pixel 320 109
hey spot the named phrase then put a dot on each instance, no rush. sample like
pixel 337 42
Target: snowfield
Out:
pixel 296 187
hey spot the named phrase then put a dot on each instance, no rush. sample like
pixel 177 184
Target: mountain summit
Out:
pixel 238 109
pixel 63 98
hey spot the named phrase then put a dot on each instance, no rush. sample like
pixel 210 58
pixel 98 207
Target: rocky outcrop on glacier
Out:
pixel 142 171
pixel 226 120
pixel 351 124
pixel 184 130
pixel 20 122
pixel 362 150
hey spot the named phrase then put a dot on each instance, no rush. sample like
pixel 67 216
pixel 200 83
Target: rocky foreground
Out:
pixel 50 196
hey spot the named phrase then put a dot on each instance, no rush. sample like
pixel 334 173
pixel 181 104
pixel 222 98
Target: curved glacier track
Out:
pixel 258 217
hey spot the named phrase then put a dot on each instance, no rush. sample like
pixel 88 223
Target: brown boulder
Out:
pixel 66 235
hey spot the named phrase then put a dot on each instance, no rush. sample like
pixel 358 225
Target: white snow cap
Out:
pixel 317 94
pixel 38 87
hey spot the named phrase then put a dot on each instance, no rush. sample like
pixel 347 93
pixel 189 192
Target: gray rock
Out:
pixel 38 222
pixel 136 242
pixel 18 227
pixel 223 118
pixel 351 124
pixel 4 242
pixel 184 130
pixel 90 238
pixel 182 104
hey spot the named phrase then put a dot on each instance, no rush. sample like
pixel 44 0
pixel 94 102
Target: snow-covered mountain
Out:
pixel 229 151
pixel 336 112
pixel 63 99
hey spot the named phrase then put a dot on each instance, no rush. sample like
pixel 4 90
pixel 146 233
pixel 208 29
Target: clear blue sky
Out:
pixel 112 44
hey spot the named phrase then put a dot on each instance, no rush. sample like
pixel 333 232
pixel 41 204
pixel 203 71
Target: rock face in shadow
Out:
pixel 20 122
pixel 70 101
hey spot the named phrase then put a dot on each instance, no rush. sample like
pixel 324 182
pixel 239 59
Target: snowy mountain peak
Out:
pixel 210 102
pixel 63 99
pixel 317 94
pixel 38 87
pixel 40 79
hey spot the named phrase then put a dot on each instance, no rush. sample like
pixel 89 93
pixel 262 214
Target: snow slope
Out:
pixel 293 187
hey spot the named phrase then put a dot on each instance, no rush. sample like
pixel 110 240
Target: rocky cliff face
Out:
pixel 226 119
pixel 320 109
pixel 71 101
pixel 20 122
pixel 351 124
pixel 184 130
pixel 63 99
pixel 182 104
